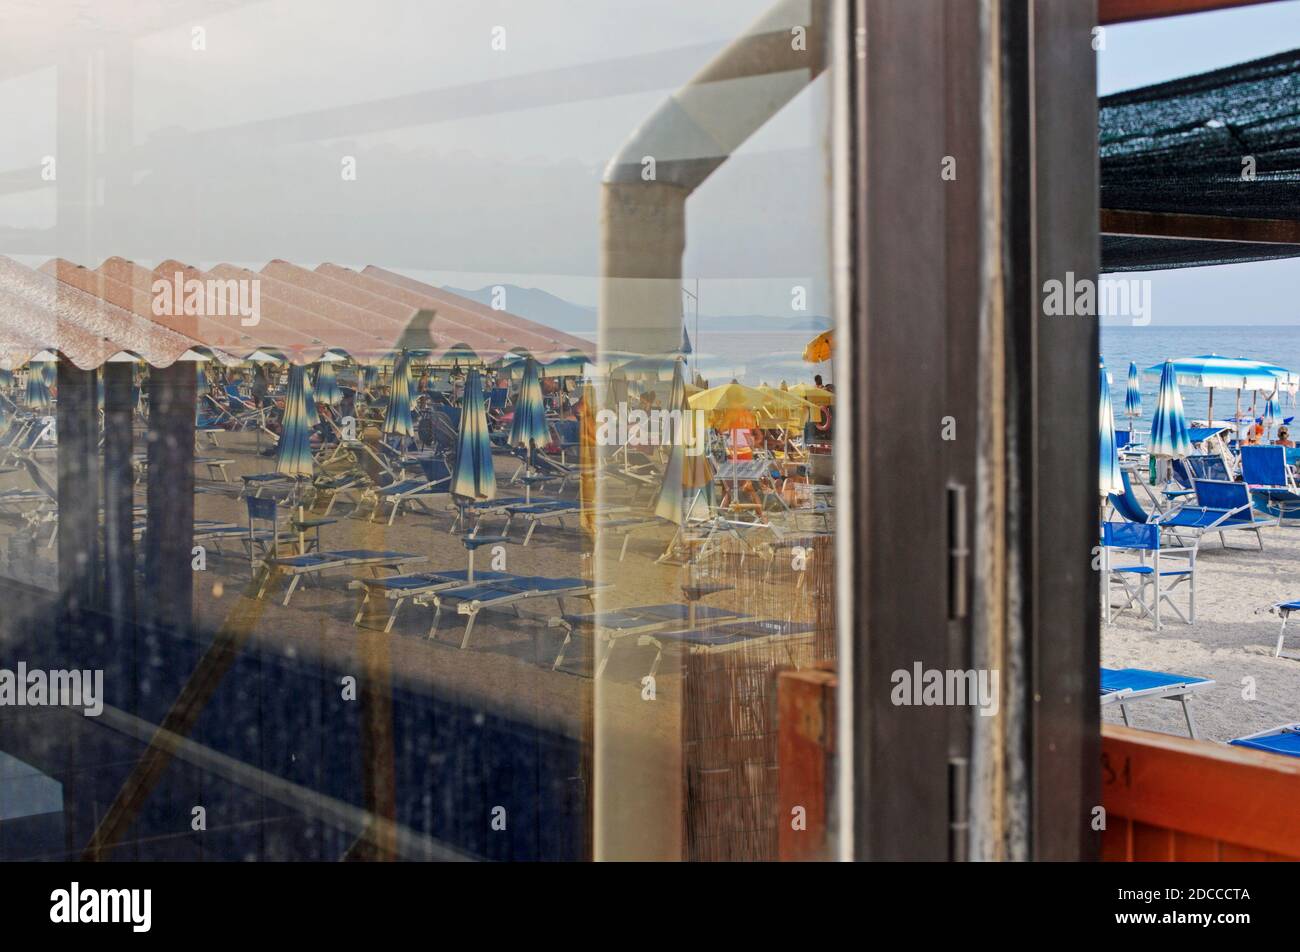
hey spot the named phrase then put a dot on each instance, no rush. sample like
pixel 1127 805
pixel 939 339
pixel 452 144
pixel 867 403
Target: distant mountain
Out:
pixel 545 308
pixel 537 305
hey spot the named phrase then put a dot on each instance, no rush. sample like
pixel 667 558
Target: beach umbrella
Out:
pixel 473 478
pixel 1133 396
pixel 820 348
pixel 1272 412
pixel 369 377
pixel 687 476
pixel 38 392
pixel 309 395
pixel 293 456
pixel 1226 373
pixel 1168 424
pixel 397 421
pixel 327 384
pixel 529 423
pixel 1111 480
pixel 812 393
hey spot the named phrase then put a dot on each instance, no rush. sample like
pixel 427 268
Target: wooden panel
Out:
pixel 1116 221
pixel 1126 11
pixel 899 315
pixel 1054 375
pixel 1187 799
pixel 805 758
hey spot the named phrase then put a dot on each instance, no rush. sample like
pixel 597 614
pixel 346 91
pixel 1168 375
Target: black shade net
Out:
pixel 1182 147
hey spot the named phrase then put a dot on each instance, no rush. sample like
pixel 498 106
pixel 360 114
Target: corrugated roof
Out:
pixel 92 315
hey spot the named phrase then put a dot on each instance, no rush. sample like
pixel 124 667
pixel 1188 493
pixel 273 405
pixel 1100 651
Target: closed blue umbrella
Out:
pixel 528 428
pixel 49 372
pixel 1272 411
pixel 293 457
pixel 327 384
pixel 397 421
pixel 309 397
pixel 473 478
pixel 1169 424
pixel 38 392
pixel 1133 396
pixel 1111 481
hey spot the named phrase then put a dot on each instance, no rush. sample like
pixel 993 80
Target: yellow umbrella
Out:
pixel 820 347
pixel 786 408
pixel 813 394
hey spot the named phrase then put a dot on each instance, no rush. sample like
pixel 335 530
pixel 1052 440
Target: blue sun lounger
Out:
pixel 745 632
pixel 1283 610
pixel 435 482
pixel 1123 686
pixel 543 510
pixel 472 599
pixel 400 588
pixel 1272 486
pixel 1284 740
pixel 611 626
pixel 297 567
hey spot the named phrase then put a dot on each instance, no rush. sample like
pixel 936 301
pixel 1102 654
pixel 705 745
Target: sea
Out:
pixel 774 356
pixel 1150 345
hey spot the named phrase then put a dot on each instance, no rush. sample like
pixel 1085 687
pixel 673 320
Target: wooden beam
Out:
pixel 1128 11
pixel 1267 231
pixel 1232 795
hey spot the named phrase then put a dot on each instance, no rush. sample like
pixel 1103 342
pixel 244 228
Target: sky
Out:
pixel 1139 54
pixel 476 163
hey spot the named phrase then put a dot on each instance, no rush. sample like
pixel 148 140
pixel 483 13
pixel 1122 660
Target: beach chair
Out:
pixel 305 564
pixel 1124 686
pixel 1220 506
pixel 609 627
pixel 473 598
pixel 1284 740
pixel 1272 482
pixel 436 478
pixel 1178 570
pixel 547 510
pixel 400 588
pixel 1283 610
pixel 744 633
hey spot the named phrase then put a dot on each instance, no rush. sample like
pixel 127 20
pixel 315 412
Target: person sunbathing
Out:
pixel 1283 437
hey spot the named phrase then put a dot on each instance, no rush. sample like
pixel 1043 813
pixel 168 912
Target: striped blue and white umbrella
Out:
pixel 309 397
pixel 293 457
pixel 397 421
pixel 38 392
pixel 327 384
pixel 528 428
pixel 1272 412
pixel 1133 396
pixel 1169 423
pixel 1111 480
pixel 49 372
pixel 1226 373
pixel 473 478
pixel 687 477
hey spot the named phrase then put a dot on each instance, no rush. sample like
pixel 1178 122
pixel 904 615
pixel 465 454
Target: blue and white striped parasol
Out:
pixel 1110 479
pixel 1169 424
pixel 293 458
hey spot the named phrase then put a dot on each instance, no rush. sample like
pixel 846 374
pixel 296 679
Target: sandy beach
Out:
pixel 1230 642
